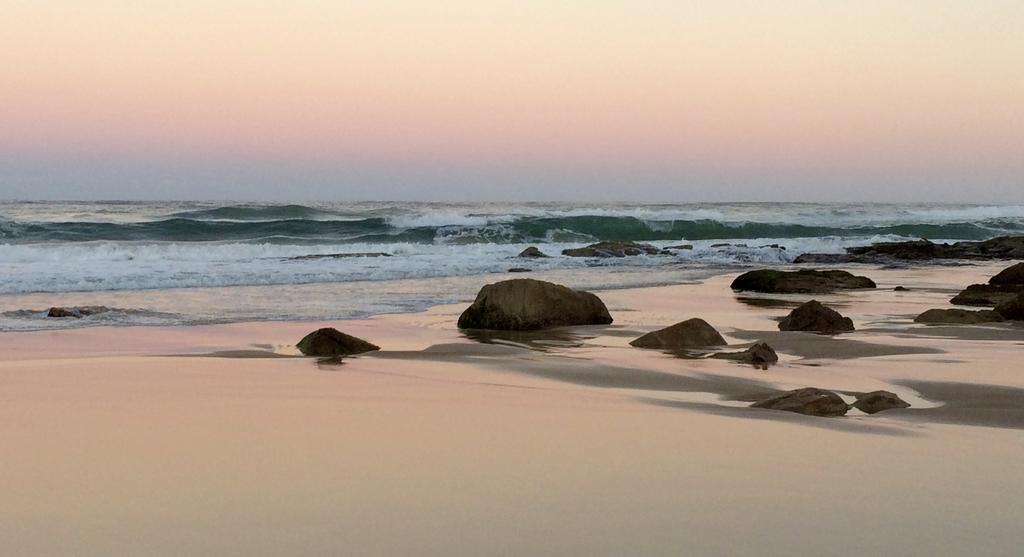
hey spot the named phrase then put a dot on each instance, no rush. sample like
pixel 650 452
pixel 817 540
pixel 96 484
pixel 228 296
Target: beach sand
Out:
pixel 219 440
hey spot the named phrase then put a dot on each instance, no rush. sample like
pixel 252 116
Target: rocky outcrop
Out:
pixel 1004 247
pixel 1012 309
pixel 532 252
pixel 809 401
pixel 612 249
pixel 759 354
pixel 817 318
pixel 691 333
pixel 1003 287
pixel 806 281
pixel 878 401
pixel 330 342
pixel 528 305
pixel 958 317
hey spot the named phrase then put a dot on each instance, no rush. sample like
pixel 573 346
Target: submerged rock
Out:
pixel 532 251
pixel 330 342
pixel 809 401
pixel 806 281
pixel 877 401
pixel 818 318
pixel 339 255
pixel 528 304
pixel 958 316
pixel 691 333
pixel 519 270
pixel 758 354
pixel 901 289
pixel 612 249
pixel 684 247
pixel 1012 309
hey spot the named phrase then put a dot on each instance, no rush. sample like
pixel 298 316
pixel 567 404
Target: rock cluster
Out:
pixel 614 248
pixel 1004 247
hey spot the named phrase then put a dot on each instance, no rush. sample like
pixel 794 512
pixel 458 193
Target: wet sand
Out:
pixel 218 440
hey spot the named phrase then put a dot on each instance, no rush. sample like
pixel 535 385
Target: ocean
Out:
pixel 180 263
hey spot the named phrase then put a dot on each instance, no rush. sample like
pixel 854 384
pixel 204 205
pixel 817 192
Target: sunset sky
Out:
pixel 604 100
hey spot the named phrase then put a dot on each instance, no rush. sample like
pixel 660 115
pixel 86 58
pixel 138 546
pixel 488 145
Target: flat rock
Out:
pixel 330 342
pixel 758 354
pixel 612 249
pixel 805 281
pixel 529 305
pixel 75 312
pixel 519 270
pixel 1012 309
pixel 816 317
pixel 987 295
pixel 691 333
pixel 809 401
pixel 339 255
pixel 958 316
pixel 877 401
pixel 1003 247
pixel 532 252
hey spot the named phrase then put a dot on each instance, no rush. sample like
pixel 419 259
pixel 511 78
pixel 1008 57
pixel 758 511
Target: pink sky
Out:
pixel 902 87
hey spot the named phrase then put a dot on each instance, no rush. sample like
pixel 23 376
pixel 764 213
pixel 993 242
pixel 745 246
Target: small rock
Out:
pixel 519 270
pixel 877 401
pixel 809 401
pixel 681 247
pixel 330 342
pixel 1012 309
pixel 818 318
pixel 958 316
pixel 759 354
pixel 901 289
pixel 75 312
pixel 691 333
pixel 532 251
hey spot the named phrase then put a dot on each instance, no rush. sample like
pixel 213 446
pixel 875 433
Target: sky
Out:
pixel 598 100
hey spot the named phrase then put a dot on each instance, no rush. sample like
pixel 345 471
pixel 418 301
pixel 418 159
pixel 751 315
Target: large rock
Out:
pixel 1009 275
pixel 691 333
pixel 805 281
pixel 1004 247
pixel 958 316
pixel 817 318
pixel 612 249
pixel 877 401
pixel 759 354
pixel 528 305
pixel 1012 309
pixel 332 342
pixel 532 252
pixel 987 295
pixel 809 401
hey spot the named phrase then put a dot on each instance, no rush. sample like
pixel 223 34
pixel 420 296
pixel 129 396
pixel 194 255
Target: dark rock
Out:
pixel 1012 309
pixel 958 316
pixel 338 255
pixel 691 333
pixel 877 401
pixel 759 354
pixel 1010 275
pixel 332 342
pixel 519 270
pixel 75 312
pixel 1004 247
pixel 805 281
pixel 528 304
pixel 987 295
pixel 901 289
pixel 532 251
pixel 816 317
pixel 612 249
pixel 681 247
pixel 809 401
